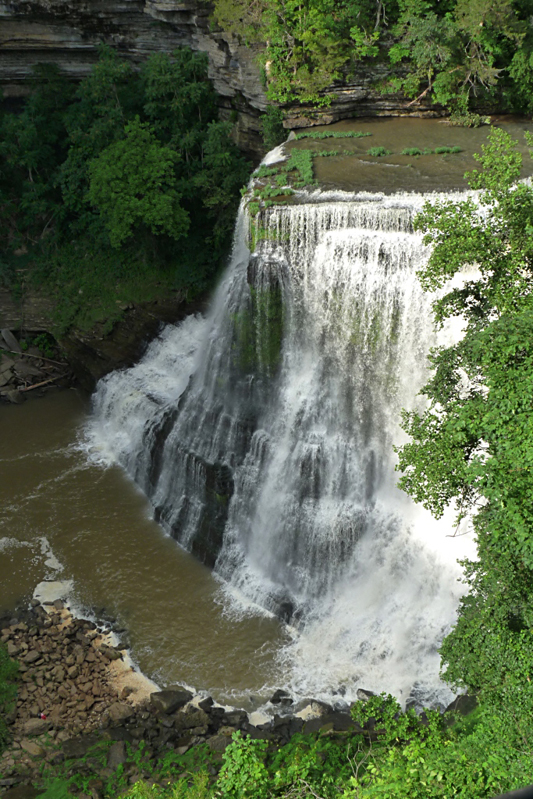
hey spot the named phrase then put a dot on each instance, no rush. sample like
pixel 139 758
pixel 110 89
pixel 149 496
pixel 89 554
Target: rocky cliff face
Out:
pixel 67 33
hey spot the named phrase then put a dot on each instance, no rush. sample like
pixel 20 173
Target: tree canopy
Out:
pixel 121 188
pixel 456 52
pixel 473 445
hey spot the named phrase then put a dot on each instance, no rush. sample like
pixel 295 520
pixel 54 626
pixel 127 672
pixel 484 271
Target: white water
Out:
pixel 299 432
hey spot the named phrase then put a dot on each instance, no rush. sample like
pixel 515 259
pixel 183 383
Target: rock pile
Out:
pixel 23 371
pixel 75 691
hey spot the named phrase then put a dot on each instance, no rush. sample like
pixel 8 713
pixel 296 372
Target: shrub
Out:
pixel 243 773
pixel 272 127
pixel 378 152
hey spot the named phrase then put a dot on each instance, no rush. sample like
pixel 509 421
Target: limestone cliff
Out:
pixel 67 33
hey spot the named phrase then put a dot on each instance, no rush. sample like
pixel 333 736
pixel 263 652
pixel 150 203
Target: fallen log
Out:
pixel 43 383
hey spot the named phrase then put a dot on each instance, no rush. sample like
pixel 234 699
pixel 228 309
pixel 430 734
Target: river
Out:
pixel 63 518
pixel 386 589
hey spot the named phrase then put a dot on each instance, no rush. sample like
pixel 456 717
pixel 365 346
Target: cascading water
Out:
pixel 263 435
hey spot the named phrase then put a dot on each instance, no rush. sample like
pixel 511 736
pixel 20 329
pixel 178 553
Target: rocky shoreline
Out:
pixel 77 691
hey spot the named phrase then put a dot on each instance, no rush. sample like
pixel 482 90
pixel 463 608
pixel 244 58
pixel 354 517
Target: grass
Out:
pixel 334 134
pixel 447 150
pixel 444 150
pixel 378 152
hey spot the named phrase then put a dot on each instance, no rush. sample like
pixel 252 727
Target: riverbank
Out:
pixel 78 692
pixel 26 367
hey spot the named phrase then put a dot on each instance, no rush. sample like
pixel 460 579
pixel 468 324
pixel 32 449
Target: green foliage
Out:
pixel 243 773
pixel 57 789
pixel 121 191
pixel 378 152
pixel 314 766
pixel 457 52
pixel 431 760
pixel 302 162
pixel 444 150
pixel 421 757
pixel 272 127
pixel 472 446
pixel 46 343
pixel 8 692
pixel 308 44
pixel 454 52
pixel 133 181
pixel 468 119
pixel 331 134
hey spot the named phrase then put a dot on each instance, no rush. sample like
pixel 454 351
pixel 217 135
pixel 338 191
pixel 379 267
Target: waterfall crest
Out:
pixel 263 435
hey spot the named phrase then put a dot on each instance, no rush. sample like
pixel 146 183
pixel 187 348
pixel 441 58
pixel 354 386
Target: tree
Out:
pixel 133 181
pixel 473 445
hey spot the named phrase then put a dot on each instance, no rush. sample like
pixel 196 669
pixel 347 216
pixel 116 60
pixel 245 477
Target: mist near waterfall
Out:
pixel 263 436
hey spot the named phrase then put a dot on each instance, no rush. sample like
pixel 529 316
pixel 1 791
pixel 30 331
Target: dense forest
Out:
pixel 462 54
pixel 117 189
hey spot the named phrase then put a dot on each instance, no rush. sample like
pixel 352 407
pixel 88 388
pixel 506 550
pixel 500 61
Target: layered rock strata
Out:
pixel 67 33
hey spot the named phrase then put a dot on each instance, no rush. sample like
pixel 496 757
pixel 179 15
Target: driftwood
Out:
pixel 38 357
pixel 43 383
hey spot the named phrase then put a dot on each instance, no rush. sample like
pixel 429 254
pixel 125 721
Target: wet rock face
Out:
pixel 93 354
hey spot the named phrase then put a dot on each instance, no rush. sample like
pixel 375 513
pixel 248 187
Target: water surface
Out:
pixel 64 518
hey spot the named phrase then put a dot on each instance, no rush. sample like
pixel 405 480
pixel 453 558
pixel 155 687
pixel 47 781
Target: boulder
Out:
pixel 20 791
pixel 333 722
pixel 32 656
pixel 206 704
pixel 36 726
pixel 32 748
pixel 218 743
pixel 111 653
pixel 463 704
pixel 119 712
pixel 170 699
pixel 116 755
pixel 312 708
pixel 14 396
pixel 6 364
pixel 27 370
pixel 191 720
pixel 364 695
pixel 281 697
pixel 235 718
pixel 10 340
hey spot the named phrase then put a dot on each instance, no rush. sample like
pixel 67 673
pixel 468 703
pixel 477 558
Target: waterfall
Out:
pixel 263 435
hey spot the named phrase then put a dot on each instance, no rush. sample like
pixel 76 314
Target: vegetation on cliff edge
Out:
pixel 457 53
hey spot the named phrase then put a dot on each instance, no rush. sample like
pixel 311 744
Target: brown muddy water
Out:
pixel 63 518
pixel 354 170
